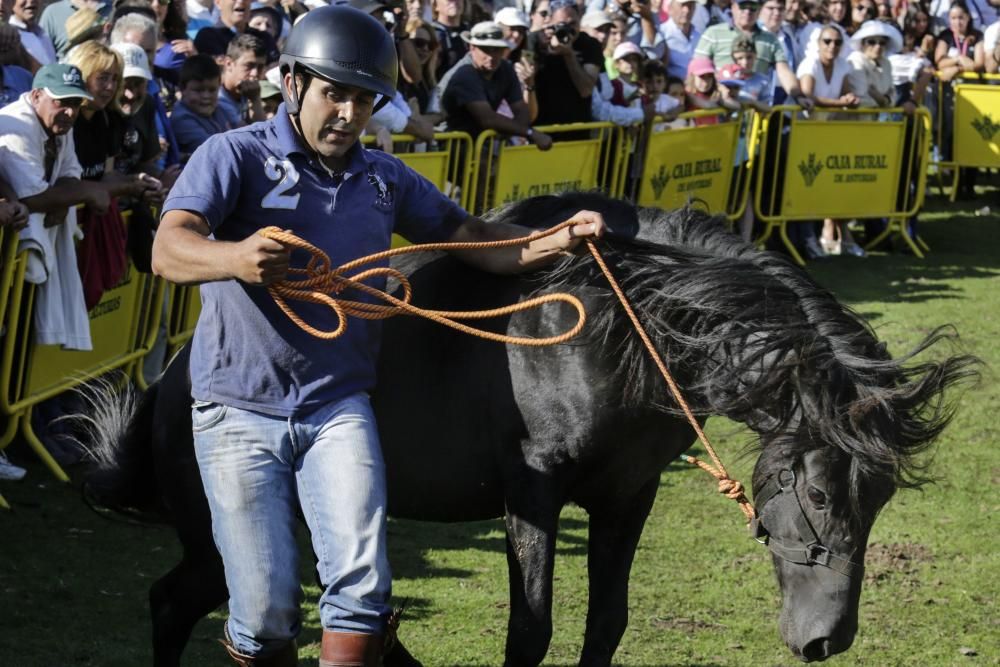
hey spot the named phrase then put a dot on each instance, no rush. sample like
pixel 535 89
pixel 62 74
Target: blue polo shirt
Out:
pixel 247 353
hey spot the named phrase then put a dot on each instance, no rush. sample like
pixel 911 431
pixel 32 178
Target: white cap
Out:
pixel 595 19
pixel 512 17
pixel 136 63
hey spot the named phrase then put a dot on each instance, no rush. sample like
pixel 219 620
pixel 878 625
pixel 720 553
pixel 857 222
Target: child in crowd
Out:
pixel 652 88
pixel 197 115
pixel 628 61
pixel 754 89
pixel 702 90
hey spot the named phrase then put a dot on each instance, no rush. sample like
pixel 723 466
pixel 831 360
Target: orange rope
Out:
pixel 729 487
pixel 321 279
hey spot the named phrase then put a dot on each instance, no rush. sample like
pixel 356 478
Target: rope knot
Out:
pixel 731 488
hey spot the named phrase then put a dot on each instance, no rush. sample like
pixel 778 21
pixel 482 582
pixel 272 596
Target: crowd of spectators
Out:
pixel 103 102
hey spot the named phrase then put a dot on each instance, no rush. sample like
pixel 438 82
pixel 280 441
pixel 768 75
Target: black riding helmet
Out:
pixel 344 45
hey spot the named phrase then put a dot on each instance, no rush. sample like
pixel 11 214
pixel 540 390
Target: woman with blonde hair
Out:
pixel 99 130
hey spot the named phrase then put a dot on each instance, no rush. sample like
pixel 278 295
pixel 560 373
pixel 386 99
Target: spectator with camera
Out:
pixel 640 22
pixel 567 63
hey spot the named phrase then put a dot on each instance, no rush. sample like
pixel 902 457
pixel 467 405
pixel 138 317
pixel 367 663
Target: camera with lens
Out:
pixel 564 32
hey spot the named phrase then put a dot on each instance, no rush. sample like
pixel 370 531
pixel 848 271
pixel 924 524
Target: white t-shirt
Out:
pixel 831 88
pixel 866 74
pixel 991 36
pixel 906 67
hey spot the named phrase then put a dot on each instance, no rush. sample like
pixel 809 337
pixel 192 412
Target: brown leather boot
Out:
pixel 288 656
pixel 350 649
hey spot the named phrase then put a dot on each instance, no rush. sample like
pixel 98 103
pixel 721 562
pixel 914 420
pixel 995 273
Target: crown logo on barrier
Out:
pixel 659 181
pixel 810 169
pixel 986 127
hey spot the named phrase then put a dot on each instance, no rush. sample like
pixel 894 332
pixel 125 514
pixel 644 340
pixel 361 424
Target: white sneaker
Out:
pixel 9 471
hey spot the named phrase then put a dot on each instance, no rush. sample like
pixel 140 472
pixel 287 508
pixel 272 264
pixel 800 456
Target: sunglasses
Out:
pixel 832 40
pixel 873 41
pixel 421 43
pixel 749 7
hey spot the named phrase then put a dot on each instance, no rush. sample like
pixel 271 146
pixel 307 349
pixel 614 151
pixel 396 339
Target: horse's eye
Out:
pixel 816 497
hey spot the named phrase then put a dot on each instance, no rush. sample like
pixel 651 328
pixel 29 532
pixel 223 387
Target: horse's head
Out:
pixel 817 536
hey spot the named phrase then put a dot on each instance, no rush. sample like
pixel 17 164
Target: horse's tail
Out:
pixel 119 440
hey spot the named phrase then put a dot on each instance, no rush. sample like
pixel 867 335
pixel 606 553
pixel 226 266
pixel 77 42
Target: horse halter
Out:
pixel 809 549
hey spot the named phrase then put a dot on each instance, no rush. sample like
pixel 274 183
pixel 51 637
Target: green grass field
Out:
pixel 73 585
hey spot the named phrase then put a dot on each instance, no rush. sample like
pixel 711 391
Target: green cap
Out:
pixel 268 89
pixel 61 82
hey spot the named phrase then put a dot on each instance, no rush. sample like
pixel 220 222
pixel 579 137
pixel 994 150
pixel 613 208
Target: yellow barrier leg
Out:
pixel 905 233
pixel 43 454
pixel 923 244
pixel 10 431
pixel 3 504
pixel 762 239
pixel 783 233
pixel 883 235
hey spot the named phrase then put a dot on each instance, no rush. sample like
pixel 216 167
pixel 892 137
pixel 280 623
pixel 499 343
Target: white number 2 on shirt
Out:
pixel 284 172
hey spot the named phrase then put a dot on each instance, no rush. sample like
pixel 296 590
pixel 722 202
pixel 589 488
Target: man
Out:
pixel 717 41
pixel 242 70
pixel 677 38
pixel 598 24
pixel 234 19
pixel 140 30
pixel 35 41
pixel 39 159
pixel 54 18
pixel 567 63
pixel 772 20
pixel 282 420
pixel 482 91
pixel 449 26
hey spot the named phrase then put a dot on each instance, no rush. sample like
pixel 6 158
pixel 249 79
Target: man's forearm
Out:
pixel 582 81
pixel 65 193
pixel 515 259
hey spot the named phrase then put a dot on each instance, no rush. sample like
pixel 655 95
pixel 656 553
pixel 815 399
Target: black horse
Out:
pixel 474 430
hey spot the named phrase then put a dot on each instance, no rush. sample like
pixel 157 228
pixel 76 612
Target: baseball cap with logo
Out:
pixel 61 82
pixel 733 75
pixel 487 34
pixel 136 64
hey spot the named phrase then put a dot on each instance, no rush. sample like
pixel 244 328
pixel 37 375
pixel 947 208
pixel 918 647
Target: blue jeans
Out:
pixel 256 470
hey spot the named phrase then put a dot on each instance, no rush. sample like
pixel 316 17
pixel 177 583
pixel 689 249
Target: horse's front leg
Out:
pixel 533 504
pixel 613 538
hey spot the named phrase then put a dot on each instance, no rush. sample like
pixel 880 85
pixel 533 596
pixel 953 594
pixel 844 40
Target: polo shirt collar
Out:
pixel 290 142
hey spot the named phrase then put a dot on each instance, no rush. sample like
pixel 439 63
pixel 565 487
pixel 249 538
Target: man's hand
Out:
pixel 586 224
pixel 648 111
pixel 540 139
pixel 525 73
pixel 183 47
pixel 249 89
pixel 850 100
pixel 13 214
pixel 260 261
pixel 805 102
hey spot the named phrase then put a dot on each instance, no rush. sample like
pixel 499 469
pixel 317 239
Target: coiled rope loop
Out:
pixel 318 280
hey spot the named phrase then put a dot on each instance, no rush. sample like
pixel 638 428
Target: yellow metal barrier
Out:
pixel 123 329
pixel 700 163
pixel 504 173
pixel 975 126
pixel 842 168
pixel 8 253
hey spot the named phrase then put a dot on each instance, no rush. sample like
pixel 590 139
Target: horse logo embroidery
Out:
pixel 986 127
pixel 383 190
pixel 659 181
pixel 810 169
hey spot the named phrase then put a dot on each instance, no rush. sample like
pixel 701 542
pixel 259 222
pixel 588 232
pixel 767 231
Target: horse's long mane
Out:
pixel 751 336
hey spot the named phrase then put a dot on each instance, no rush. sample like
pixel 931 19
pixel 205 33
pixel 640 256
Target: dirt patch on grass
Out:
pixel 683 624
pixel 885 561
